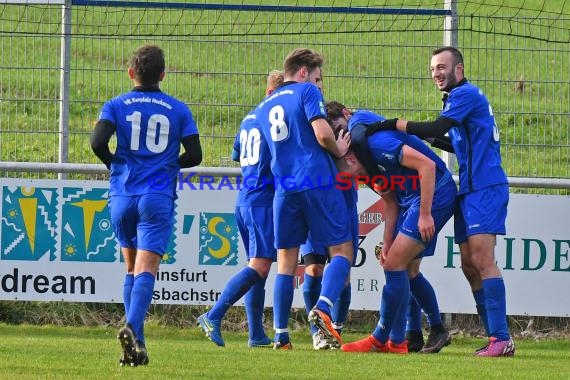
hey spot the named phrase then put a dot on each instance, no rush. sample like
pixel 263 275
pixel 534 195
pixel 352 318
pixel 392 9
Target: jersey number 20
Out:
pixel 155 122
pixel 249 143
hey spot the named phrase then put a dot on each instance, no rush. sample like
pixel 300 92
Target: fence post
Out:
pixel 450 38
pixel 64 78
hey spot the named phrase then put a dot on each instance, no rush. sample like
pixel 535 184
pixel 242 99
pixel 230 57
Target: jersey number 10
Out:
pixel 156 122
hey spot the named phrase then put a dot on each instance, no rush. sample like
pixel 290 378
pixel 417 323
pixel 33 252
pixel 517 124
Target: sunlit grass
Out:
pixel 70 352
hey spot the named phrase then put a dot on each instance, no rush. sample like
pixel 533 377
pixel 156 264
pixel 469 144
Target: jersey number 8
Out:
pixel 279 129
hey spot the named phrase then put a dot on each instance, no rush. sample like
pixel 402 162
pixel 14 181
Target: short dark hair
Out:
pixel 302 57
pixel 334 110
pixel 148 64
pixel 457 56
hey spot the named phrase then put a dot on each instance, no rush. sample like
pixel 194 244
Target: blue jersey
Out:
pixel 386 150
pixel 297 158
pixel 475 140
pixel 149 127
pixel 252 151
pixel 363 117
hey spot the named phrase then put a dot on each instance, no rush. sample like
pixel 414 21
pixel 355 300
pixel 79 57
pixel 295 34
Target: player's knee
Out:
pixel 414 269
pixel 315 270
pixel 471 273
pixel 261 266
pixel 263 271
pixel 347 254
pixel 483 262
pixel 394 264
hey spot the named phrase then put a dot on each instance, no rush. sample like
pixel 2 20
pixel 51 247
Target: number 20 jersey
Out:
pixel 149 127
pixel 297 158
pixel 251 147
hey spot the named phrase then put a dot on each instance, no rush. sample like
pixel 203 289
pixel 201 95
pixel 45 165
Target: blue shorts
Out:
pixel 442 209
pixel 143 221
pixel 255 225
pixel 321 211
pixel 483 211
pixel 310 248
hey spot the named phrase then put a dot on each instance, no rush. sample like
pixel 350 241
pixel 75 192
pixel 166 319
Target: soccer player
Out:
pixel 483 193
pixel 420 288
pixel 150 126
pixel 420 195
pixel 314 258
pixel 301 142
pixel 254 215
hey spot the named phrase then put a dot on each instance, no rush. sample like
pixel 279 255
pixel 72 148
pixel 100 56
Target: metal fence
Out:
pixel 61 62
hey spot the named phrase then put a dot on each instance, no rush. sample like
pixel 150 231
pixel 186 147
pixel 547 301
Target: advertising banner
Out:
pixel 57 243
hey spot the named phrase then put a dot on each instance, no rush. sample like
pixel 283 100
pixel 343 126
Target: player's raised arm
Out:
pixel 325 137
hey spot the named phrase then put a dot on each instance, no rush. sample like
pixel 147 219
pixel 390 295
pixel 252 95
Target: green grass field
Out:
pixel 85 353
pixel 217 61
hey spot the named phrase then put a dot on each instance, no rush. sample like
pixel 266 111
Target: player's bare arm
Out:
pixel 325 137
pixel 391 212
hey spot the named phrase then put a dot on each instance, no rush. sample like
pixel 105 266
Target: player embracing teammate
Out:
pixel 483 193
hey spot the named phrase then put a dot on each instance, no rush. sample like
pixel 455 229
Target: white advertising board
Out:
pixel 57 243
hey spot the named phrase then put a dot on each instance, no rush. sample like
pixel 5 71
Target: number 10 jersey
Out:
pixel 149 126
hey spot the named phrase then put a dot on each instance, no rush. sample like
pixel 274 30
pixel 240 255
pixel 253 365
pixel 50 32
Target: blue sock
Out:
pixel 398 331
pixel 340 308
pixel 282 301
pixel 254 304
pixel 479 296
pixel 395 293
pixel 496 306
pixel 334 279
pixel 233 291
pixel 424 294
pixel 311 292
pixel 414 315
pixel 127 289
pixel 141 297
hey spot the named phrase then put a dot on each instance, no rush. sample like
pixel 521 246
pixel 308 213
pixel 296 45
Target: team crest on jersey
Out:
pixel 86 231
pixel 218 239
pixel 28 223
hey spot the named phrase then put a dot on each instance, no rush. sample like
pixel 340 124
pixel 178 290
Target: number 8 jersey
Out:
pixel 298 161
pixel 149 126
